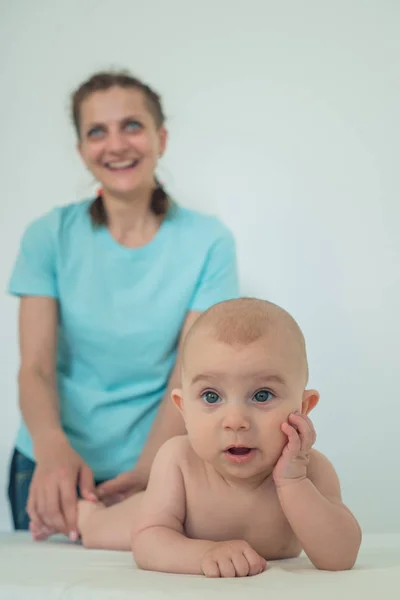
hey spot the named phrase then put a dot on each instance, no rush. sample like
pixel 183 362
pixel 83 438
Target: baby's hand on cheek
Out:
pixel 293 462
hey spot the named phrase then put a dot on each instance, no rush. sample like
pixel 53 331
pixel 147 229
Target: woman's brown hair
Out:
pixel 105 80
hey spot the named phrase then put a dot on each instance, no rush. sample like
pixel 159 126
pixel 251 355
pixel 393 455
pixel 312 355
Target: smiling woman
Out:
pixel 108 288
pixel 119 122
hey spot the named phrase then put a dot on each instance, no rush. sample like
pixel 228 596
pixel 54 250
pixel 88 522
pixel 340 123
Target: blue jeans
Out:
pixel 21 472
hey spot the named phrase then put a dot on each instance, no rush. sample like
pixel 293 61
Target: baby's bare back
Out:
pixel 219 511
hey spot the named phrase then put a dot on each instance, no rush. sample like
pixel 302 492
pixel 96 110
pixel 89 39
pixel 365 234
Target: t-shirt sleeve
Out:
pixel 218 280
pixel 34 272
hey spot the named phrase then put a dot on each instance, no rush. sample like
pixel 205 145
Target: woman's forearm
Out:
pixel 39 405
pixel 167 424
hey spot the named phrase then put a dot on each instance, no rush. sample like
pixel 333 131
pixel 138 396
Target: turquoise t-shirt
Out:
pixel 121 312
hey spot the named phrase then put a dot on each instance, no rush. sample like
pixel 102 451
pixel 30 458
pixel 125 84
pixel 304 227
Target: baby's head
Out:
pixel 244 370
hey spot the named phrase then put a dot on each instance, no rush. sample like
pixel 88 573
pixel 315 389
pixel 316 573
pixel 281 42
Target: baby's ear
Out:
pixel 177 398
pixel 310 400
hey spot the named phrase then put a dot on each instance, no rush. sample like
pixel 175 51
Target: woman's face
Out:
pixel 120 142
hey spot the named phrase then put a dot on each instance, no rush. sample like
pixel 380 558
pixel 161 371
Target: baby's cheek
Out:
pixel 277 438
pixel 200 436
pixel 278 417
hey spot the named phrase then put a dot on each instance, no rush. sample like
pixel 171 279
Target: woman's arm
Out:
pixel 52 497
pixel 37 378
pixel 167 424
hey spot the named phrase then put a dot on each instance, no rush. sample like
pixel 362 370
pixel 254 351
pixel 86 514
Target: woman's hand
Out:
pixel 52 501
pixel 121 487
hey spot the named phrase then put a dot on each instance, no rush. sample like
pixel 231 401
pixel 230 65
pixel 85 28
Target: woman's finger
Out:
pixel 69 507
pixel 40 502
pixel 119 486
pixel 32 507
pixel 86 484
pixel 53 516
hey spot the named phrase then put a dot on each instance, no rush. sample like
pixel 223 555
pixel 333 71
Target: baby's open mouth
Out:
pixel 239 450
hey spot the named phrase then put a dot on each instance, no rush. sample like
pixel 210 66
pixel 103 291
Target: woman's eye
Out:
pixel 262 396
pixel 210 397
pixel 95 132
pixel 133 126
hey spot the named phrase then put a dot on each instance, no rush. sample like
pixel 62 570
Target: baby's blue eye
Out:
pixel 211 397
pixel 262 396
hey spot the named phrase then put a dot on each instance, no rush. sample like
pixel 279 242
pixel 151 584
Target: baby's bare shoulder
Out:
pixel 318 461
pixel 322 473
pixel 181 453
pixel 176 448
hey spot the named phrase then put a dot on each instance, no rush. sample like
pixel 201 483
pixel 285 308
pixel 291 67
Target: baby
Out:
pixel 244 485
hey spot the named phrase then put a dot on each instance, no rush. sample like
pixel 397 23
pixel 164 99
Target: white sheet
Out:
pixel 60 570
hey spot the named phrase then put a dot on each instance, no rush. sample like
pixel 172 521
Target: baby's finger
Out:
pixel 313 433
pixel 226 567
pixel 209 568
pixel 294 443
pixel 242 567
pixel 257 564
pixel 305 430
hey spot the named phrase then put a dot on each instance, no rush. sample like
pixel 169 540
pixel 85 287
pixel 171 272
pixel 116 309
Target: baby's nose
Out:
pixel 236 418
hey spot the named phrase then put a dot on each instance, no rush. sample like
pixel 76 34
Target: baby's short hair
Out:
pixel 243 321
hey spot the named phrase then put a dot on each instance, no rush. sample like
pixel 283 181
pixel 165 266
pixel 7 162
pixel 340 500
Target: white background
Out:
pixel 284 120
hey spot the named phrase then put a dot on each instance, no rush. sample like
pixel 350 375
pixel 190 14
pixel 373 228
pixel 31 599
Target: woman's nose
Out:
pixel 116 141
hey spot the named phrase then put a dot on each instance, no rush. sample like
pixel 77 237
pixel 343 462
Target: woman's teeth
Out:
pixel 123 164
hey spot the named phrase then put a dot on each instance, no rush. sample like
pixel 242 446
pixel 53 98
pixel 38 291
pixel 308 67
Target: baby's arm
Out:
pixel 158 540
pixel 324 526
